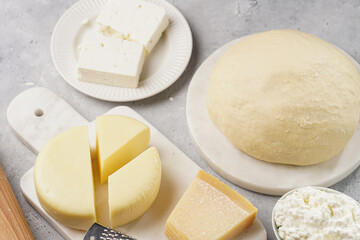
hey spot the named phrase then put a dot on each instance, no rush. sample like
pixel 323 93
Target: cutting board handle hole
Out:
pixel 39 112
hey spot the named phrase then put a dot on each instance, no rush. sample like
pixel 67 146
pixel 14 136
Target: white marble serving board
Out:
pixel 178 169
pixel 244 170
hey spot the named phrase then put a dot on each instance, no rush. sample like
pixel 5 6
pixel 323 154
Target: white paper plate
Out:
pixel 244 170
pixel 162 67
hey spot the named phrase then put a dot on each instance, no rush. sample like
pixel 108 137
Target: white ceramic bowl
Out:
pixel 275 229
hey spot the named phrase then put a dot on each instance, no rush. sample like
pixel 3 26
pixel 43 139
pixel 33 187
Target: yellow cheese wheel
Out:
pixel 134 187
pixel 119 140
pixel 64 180
pixel 64 177
pixel 209 209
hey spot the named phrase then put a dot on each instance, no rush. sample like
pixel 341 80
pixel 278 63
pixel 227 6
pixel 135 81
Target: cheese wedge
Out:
pixel 64 180
pixel 134 187
pixel 119 139
pixel 208 210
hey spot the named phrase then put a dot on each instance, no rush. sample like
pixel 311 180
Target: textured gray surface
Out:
pixel 25 61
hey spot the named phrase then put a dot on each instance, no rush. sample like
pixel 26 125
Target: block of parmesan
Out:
pixel 209 209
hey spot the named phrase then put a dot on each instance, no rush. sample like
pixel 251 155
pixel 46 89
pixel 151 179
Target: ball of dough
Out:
pixel 285 96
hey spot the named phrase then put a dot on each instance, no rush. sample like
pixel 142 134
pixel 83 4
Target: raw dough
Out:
pixel 285 96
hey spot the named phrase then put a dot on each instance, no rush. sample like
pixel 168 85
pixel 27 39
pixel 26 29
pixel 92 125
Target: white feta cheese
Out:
pixel 314 214
pixel 135 20
pixel 110 61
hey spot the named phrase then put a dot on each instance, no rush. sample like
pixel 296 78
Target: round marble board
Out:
pixel 162 67
pixel 244 170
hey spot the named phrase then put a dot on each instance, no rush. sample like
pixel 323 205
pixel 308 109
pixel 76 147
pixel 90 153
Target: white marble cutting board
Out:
pixel 244 170
pixel 56 116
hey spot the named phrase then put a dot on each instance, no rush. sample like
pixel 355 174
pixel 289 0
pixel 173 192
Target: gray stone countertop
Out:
pixel 25 61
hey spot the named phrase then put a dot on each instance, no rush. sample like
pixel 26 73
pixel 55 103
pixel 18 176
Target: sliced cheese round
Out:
pixel 119 139
pixel 134 187
pixel 64 180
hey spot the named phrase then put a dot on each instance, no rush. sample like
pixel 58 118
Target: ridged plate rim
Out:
pixel 64 34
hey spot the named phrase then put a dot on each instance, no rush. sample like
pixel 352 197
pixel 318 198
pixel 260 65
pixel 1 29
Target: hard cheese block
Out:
pixel 110 61
pixel 119 140
pixel 209 209
pixel 135 20
pixel 64 180
pixel 134 187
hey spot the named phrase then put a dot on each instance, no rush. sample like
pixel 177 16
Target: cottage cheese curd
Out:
pixel 317 214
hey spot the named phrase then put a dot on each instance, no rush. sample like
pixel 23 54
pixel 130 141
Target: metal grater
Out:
pixel 99 232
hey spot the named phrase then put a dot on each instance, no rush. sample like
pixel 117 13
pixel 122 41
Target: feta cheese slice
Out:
pixel 110 61
pixel 136 20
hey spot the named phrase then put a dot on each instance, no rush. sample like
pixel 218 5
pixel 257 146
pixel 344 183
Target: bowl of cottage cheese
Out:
pixel 316 213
